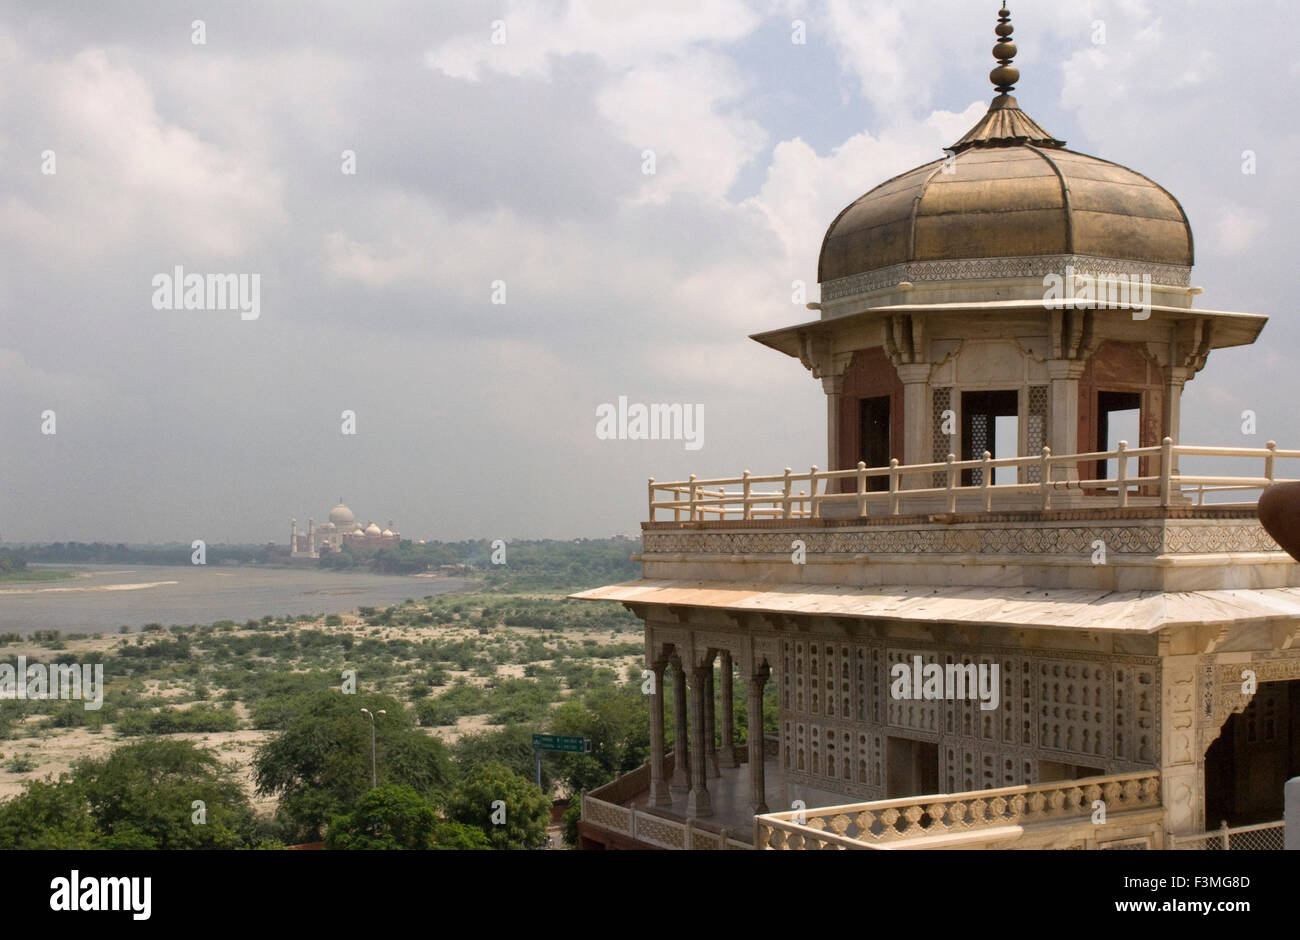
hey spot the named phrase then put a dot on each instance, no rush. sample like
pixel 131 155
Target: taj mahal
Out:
pixel 341 529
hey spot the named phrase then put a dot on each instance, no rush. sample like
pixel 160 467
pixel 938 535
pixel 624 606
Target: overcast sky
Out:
pixel 522 162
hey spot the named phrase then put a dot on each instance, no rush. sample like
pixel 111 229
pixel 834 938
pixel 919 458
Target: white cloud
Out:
pixel 803 191
pixel 1238 229
pixel 124 174
pixel 622 34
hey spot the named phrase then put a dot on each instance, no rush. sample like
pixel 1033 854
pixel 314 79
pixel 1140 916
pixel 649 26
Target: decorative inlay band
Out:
pixel 1225 536
pixel 1037 266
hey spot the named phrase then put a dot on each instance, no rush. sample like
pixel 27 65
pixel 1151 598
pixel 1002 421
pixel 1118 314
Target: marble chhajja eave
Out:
pixel 1133 612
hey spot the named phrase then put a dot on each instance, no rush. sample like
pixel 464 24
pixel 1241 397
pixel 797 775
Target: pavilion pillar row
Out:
pixel 681 779
pixel 757 782
pixel 728 757
pixel 697 802
pixel 659 795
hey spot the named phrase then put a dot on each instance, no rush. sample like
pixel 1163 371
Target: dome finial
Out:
pixel 1005 76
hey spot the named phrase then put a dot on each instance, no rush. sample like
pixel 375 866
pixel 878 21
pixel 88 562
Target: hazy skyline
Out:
pixel 522 162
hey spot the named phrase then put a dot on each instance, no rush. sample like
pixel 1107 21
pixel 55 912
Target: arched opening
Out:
pixel 1256 753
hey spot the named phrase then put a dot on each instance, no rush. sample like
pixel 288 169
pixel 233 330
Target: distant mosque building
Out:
pixel 341 529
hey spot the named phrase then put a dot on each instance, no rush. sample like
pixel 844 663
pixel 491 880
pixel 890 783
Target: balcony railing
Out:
pixel 886 823
pixel 921 487
pixel 1269 836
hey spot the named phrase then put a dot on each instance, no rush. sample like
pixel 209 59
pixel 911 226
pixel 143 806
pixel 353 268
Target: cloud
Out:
pixel 124 173
pixel 622 34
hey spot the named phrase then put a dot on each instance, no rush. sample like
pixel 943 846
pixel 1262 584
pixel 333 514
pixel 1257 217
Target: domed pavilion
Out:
pixel 1012 591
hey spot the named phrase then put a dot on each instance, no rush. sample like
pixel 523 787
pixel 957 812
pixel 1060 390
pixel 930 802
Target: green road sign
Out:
pixel 560 742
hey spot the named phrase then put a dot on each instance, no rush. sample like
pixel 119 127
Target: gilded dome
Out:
pixel 1008 201
pixel 1008 189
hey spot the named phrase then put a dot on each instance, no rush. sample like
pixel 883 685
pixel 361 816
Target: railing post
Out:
pixel 1166 470
pixel 1226 835
pixel 1268 461
pixel 862 488
pixel 651 488
pixel 814 507
pixel 987 473
pixel 785 503
pixel 692 500
pixel 1121 473
pixel 1044 469
pixel 749 513
pixel 952 491
pixel 893 486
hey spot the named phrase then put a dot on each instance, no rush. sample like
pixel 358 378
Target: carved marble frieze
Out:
pixel 1036 266
pixel 1237 535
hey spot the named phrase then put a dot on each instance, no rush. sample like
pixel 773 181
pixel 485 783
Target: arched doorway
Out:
pixel 1256 753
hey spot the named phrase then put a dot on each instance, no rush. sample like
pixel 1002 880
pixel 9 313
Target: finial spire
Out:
pixel 1005 125
pixel 1005 76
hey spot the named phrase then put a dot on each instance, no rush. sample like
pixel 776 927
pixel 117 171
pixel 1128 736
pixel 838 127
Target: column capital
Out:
pixel 1058 369
pixel 914 373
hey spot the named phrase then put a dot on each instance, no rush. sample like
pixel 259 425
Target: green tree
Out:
pixel 319 765
pixel 512 746
pixel 395 816
pixel 518 824
pixel 617 723
pixel 143 796
pixel 48 815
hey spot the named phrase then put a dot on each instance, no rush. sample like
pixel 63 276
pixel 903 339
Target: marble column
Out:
pixel 681 779
pixel 833 385
pixel 697 802
pixel 917 420
pixel 659 795
pixel 710 723
pixel 757 781
pixel 1172 407
pixel 1063 413
pixel 727 757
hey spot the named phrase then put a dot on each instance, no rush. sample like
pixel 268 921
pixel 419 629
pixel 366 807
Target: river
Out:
pixel 108 597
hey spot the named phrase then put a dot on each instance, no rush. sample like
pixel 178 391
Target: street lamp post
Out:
pixel 374 775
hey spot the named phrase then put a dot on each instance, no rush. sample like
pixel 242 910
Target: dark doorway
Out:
pixel 1257 752
pixel 873 433
pixel 980 429
pixel 1118 419
pixel 913 768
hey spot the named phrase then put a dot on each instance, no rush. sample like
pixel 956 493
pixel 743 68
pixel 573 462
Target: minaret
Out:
pixel 293 537
pixel 311 536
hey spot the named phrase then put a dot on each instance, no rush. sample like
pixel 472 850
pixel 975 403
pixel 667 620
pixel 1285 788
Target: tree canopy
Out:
pixel 319 765
pixel 510 811
pixel 142 796
pixel 394 816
